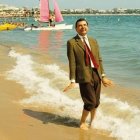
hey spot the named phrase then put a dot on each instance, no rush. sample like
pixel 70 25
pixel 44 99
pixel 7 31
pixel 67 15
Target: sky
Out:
pixel 78 4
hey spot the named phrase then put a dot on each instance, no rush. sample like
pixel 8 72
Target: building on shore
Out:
pixel 11 11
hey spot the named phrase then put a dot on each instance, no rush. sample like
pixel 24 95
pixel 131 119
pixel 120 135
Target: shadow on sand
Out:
pixel 46 117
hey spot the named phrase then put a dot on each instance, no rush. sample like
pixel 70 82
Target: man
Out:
pixel 51 20
pixel 85 66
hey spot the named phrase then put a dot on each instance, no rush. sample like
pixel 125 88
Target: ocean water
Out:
pixel 41 66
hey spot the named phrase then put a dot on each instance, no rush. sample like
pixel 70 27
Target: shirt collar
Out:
pixel 81 37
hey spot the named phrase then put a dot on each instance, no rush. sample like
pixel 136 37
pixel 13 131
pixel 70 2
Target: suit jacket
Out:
pixel 76 56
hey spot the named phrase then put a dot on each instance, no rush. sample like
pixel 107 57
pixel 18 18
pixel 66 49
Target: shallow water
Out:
pixel 38 62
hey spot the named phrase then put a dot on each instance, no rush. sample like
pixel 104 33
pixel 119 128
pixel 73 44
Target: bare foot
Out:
pixel 84 126
pixel 91 126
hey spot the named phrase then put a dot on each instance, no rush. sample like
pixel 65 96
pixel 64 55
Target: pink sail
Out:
pixel 57 12
pixel 44 10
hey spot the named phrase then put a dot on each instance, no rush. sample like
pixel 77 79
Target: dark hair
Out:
pixel 80 19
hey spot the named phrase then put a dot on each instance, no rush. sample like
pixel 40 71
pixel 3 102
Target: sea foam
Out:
pixel 43 92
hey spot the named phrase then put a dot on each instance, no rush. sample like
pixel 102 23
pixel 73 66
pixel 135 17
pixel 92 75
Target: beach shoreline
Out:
pixel 26 123
pixel 34 72
pixel 19 122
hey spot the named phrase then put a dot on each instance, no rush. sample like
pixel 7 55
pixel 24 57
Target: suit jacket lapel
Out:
pixel 79 42
pixel 92 46
pixel 81 45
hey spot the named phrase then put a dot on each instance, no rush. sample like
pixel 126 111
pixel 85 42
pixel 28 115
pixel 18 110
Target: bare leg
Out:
pixel 83 124
pixel 93 112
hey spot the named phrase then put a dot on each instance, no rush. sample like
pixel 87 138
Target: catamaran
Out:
pixel 44 17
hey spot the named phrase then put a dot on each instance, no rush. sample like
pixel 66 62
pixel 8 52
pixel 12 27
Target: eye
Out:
pixel 85 25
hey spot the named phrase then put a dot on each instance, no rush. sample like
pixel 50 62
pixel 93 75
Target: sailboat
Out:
pixel 44 17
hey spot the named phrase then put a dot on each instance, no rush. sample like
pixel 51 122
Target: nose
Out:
pixel 82 26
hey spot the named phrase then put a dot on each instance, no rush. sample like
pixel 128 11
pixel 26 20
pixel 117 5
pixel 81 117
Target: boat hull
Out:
pixel 56 27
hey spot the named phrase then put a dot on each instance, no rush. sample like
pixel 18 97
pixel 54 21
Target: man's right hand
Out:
pixel 70 86
pixel 107 82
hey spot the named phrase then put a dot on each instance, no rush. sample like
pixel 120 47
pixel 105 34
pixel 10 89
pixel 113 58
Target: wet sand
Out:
pixel 26 123
pixel 18 122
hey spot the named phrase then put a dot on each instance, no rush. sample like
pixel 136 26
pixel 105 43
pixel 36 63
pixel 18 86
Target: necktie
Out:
pixel 89 55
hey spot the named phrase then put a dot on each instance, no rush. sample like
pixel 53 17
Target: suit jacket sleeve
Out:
pixel 71 58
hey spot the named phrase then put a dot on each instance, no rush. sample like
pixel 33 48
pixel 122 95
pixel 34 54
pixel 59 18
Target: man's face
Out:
pixel 82 28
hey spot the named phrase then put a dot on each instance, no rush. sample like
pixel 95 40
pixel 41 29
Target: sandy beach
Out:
pixel 26 123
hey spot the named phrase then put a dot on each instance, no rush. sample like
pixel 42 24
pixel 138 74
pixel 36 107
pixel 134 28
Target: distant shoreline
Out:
pixel 101 14
pixel 78 15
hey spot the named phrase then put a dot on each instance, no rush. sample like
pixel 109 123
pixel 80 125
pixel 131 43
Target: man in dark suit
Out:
pixel 86 68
